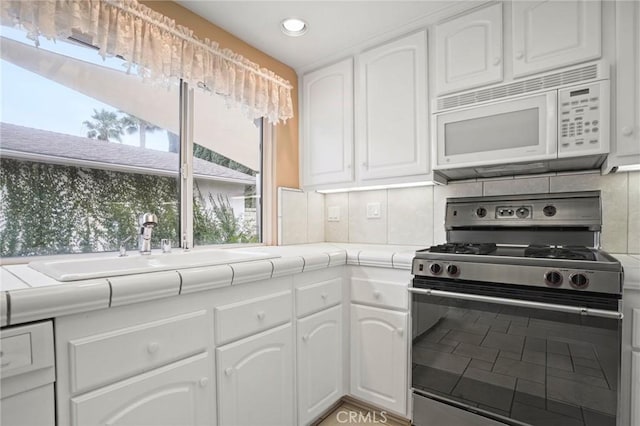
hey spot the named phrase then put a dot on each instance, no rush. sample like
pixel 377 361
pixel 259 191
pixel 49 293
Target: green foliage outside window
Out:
pixel 51 209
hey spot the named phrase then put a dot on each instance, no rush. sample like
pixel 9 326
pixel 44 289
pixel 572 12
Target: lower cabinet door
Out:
pixel 319 343
pixel 379 357
pixel 635 388
pixel 30 408
pixel 255 380
pixel 181 393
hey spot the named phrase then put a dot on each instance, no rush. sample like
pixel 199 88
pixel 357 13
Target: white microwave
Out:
pixel 539 132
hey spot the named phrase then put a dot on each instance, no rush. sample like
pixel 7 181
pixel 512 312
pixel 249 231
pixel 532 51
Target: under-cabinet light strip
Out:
pixel 629 168
pixel 374 187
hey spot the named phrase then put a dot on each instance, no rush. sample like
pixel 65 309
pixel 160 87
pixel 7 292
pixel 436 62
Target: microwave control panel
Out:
pixel 583 125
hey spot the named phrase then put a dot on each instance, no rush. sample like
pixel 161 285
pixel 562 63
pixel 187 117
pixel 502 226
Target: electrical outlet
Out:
pixel 333 213
pixel 373 210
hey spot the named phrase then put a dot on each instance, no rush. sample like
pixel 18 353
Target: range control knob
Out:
pixel 579 281
pixel 481 212
pixel 435 268
pixel 453 270
pixel 553 278
pixel 549 210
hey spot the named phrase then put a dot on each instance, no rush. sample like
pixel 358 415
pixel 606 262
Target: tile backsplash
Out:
pixel 416 215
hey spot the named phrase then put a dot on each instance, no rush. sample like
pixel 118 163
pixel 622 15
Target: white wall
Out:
pixel 416 215
pixel 234 191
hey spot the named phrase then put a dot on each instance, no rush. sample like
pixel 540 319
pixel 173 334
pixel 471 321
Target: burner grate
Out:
pixel 464 248
pixel 566 252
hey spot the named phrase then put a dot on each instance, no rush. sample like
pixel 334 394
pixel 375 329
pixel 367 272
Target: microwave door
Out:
pixel 514 131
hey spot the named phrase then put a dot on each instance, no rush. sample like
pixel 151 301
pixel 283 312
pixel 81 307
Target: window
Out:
pixel 85 148
pixel 225 209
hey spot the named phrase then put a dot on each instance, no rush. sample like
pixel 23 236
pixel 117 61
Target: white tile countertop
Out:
pixel 29 295
pixel 631 266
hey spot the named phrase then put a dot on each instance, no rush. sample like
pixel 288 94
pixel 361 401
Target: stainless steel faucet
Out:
pixel 147 222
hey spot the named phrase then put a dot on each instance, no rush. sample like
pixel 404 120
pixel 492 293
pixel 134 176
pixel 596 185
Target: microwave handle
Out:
pixel 553 121
pixel 521 303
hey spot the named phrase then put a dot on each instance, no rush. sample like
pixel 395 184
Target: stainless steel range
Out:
pixel 517 318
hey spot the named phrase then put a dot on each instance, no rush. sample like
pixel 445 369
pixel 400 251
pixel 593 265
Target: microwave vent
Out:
pixel 548 81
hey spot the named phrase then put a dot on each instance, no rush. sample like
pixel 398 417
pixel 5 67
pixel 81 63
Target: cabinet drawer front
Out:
pixel 317 296
pixel 379 293
pixel 635 331
pixel 241 319
pixel 26 348
pixel 118 354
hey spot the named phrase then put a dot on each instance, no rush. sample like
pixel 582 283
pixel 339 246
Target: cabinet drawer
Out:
pixel 379 293
pixel 314 297
pixel 635 330
pixel 247 317
pixel 118 354
pixel 26 348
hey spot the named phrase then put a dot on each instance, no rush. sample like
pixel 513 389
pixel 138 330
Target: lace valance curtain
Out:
pixel 157 48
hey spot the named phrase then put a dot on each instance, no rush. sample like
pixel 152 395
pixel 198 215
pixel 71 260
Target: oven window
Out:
pixel 534 366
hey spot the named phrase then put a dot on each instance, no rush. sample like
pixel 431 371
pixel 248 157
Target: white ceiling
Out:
pixel 336 28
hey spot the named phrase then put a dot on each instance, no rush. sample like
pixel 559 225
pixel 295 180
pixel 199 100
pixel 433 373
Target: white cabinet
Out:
pixel 177 394
pixel 27 373
pixel 635 367
pixel 468 50
pixel 255 379
pixel 380 337
pixel 390 143
pixel 554 33
pixel 320 341
pixel 319 348
pixel 379 357
pixel 625 146
pixel 392 109
pixel 143 364
pixel 635 388
pixel 327 110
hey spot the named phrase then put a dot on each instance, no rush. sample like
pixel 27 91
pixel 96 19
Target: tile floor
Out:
pixel 540 368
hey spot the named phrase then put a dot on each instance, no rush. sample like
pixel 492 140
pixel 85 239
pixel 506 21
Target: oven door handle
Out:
pixel 522 303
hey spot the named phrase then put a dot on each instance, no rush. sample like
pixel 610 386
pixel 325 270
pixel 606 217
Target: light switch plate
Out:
pixel 333 213
pixel 373 210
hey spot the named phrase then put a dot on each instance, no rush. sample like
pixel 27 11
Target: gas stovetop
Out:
pixel 556 267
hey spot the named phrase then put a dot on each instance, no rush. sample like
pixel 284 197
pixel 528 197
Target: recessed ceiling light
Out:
pixel 293 27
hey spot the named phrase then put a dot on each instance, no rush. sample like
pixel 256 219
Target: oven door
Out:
pixel 513 355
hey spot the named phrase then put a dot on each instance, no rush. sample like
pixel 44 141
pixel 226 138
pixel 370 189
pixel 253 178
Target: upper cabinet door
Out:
pixel 327 109
pixel 554 33
pixel 468 50
pixel 392 109
pixel 626 145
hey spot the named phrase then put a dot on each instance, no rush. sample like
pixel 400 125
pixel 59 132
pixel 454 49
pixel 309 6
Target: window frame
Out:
pixel 265 206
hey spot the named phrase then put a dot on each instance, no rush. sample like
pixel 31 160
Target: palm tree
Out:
pixel 105 125
pixel 133 124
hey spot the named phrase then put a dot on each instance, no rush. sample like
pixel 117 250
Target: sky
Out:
pixel 30 100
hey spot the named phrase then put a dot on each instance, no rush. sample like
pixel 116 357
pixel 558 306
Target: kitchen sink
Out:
pixel 100 266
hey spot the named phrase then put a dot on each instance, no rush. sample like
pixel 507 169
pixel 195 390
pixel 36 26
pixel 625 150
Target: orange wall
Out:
pixel 286 135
